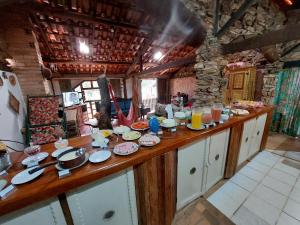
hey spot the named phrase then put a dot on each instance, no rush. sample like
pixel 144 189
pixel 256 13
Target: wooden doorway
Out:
pixel 241 84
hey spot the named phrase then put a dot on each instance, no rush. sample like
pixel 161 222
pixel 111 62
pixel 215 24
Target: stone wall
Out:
pixel 20 45
pixel 259 18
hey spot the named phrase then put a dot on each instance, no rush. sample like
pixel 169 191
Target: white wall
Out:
pixel 11 123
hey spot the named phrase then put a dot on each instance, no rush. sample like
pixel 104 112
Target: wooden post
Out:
pixel 105 105
pixel 135 95
pixel 124 88
pixel 156 189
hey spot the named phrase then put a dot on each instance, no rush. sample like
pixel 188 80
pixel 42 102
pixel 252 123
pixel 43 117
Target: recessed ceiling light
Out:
pixel 84 48
pixel 289 2
pixel 11 62
pixel 158 55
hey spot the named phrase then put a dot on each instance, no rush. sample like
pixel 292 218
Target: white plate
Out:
pixel 240 112
pixel 24 176
pixel 84 162
pixel 126 138
pixel 99 156
pixel 121 129
pixel 145 140
pixel 132 148
pixel 40 157
pixel 2 183
pixel 95 144
pixel 190 127
pixel 164 126
pixel 139 129
pixel 59 151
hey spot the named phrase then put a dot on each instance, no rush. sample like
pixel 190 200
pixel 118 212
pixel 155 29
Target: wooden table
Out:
pixel 49 185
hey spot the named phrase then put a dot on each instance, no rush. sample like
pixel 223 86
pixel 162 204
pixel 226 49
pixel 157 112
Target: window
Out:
pixel 90 93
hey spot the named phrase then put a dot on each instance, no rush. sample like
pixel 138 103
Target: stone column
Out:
pixel 209 67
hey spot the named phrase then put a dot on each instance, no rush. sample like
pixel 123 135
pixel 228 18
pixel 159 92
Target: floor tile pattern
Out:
pixel 264 192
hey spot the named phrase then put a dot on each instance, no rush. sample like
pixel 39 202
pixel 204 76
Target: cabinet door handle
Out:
pixel 108 215
pixel 217 157
pixel 258 132
pixel 246 139
pixel 193 170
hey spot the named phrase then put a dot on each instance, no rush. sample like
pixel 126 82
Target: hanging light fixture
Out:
pixel 84 48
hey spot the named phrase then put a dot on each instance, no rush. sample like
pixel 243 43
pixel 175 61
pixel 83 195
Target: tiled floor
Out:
pixel 201 212
pixel 280 141
pixel 264 192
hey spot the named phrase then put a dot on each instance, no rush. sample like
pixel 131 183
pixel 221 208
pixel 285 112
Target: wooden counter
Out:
pixel 49 184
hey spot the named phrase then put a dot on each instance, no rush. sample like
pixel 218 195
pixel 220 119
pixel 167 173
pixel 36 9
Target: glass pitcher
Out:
pixel 216 112
pixel 207 116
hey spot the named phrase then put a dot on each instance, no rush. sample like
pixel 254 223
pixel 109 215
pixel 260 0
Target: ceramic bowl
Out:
pixel 62 143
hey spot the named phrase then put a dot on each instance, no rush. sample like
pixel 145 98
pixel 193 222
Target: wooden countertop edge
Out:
pixel 13 202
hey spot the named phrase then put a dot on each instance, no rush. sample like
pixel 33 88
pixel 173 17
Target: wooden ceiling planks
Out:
pixel 117 32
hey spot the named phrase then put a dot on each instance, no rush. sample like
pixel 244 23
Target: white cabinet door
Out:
pixel 215 158
pixel 46 213
pixel 249 127
pixel 190 172
pixel 257 134
pixel 110 201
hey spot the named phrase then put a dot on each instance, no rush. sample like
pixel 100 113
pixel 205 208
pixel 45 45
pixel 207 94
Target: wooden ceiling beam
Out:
pixel 176 63
pixel 235 16
pixel 35 23
pixel 87 62
pixel 289 33
pixel 290 50
pixel 141 52
pixel 66 14
pixel 81 76
pixel 216 16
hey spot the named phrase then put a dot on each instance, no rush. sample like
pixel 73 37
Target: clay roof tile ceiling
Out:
pixel 116 32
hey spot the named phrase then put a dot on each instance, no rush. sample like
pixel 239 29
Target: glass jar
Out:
pixel 5 162
pixel 216 112
pixel 196 118
pixel 207 116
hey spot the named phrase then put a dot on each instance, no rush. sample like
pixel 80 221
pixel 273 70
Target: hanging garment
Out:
pixel 122 119
pixel 287 102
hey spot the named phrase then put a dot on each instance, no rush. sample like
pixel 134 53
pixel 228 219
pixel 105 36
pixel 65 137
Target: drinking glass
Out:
pixel 196 118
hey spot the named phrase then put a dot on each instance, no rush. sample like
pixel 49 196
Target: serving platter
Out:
pixel 24 176
pixel 59 151
pixel 39 157
pixel 140 126
pixel 240 112
pixel 149 140
pixel 131 135
pixel 126 148
pixel 99 156
pixel 121 130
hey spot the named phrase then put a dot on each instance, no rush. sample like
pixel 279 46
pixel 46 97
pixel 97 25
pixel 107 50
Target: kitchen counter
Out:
pixel 49 185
